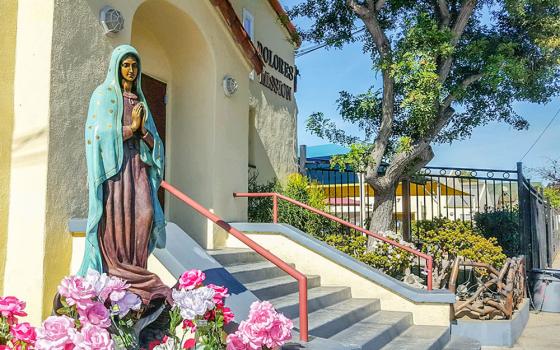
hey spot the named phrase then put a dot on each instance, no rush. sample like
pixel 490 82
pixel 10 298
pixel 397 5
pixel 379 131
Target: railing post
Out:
pixel 429 263
pixel 405 186
pixel 303 320
pixel 275 208
pixel 524 199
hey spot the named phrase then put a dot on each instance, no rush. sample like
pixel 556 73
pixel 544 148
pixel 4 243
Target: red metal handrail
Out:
pixel 275 196
pixel 301 278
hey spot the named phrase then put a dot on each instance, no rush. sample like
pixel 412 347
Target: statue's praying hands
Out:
pixel 138 118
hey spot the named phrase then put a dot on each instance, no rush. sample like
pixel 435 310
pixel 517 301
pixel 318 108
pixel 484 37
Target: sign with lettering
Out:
pixel 279 65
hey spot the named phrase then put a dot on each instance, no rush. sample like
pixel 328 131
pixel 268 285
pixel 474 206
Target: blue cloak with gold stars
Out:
pixel 104 154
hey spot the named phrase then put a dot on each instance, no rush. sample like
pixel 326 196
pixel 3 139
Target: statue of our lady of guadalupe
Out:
pixel 125 161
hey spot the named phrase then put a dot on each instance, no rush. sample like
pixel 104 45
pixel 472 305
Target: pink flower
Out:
pixel 191 279
pixel 280 331
pixel 116 289
pixel 264 328
pixel 235 342
pixel 24 332
pixel 95 314
pixel 10 307
pixel 254 335
pixel 93 337
pixel 220 293
pixel 228 315
pixel 262 313
pixel 56 334
pixel 77 291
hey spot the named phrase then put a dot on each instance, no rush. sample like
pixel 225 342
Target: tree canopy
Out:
pixel 455 64
pixel 447 67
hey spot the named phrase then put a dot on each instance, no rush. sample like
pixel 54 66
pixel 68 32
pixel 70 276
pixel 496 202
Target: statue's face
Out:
pixel 129 69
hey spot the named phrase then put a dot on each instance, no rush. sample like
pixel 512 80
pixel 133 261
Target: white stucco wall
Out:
pixel 275 130
pixel 24 265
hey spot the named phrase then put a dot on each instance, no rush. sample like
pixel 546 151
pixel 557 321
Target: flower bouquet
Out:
pixel 13 334
pixel 97 312
pixel 198 315
pixel 265 329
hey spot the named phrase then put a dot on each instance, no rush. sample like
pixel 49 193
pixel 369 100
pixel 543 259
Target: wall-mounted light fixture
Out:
pixel 230 85
pixel 111 19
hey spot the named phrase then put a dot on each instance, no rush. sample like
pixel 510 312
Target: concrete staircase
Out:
pixel 334 315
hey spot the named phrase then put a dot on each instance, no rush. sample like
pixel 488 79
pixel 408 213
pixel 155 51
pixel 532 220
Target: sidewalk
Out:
pixel 542 331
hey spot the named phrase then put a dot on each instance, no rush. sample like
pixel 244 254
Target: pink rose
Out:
pixel 24 332
pixel 191 279
pixel 93 338
pixel 10 307
pixel 253 335
pixel 55 334
pixel 220 293
pixel 95 314
pixel 280 331
pixel 235 342
pixel 77 291
pixel 262 313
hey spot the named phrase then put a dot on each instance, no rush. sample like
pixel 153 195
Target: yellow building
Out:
pixel 196 52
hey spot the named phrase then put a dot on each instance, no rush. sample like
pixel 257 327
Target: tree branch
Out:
pixel 413 160
pixel 379 5
pixel 368 16
pixel 358 9
pixel 372 24
pixel 444 12
pixel 462 86
pixel 457 31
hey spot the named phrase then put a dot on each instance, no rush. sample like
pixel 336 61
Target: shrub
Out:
pixel 502 225
pixel 393 261
pixel 260 209
pixel 299 188
pixel 445 240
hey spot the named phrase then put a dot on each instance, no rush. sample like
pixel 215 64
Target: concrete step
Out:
pixel 235 256
pixel 376 331
pixel 317 298
pixel 421 338
pixel 328 321
pixel 247 273
pixel 277 287
pixel 462 343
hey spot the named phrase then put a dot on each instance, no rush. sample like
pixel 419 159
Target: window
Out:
pixel 248 23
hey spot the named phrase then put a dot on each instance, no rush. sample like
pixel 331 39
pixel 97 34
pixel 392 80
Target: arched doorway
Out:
pixel 175 53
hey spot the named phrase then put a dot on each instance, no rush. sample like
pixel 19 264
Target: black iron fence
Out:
pixel 453 193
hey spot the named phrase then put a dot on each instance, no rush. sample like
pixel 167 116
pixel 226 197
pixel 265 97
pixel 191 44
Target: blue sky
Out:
pixel 326 72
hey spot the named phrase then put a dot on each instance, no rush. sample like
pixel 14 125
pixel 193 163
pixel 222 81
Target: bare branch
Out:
pixel 373 27
pixel 444 12
pixel 457 31
pixel 379 5
pixel 382 139
pixel 368 16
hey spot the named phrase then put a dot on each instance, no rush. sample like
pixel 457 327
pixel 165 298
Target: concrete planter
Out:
pixel 494 333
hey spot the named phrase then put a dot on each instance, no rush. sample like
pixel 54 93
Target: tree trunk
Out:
pixel 382 215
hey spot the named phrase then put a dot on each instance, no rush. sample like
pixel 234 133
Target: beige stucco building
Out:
pixel 54 54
